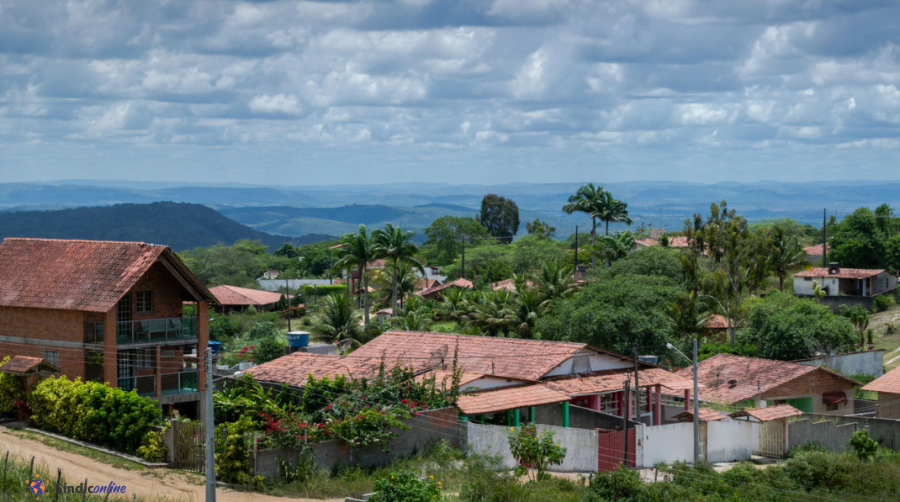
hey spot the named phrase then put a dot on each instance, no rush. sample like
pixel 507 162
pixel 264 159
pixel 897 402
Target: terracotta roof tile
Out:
pixel 72 274
pixel 608 381
pixel 888 383
pixel 509 398
pixel 817 250
pixel 446 378
pixel 770 413
pixel 706 415
pixel 508 357
pixel 752 376
pixel 233 295
pixel 508 284
pixel 844 273
pixel 716 322
pixel 21 365
pixel 458 283
pixel 294 369
pixel 679 241
pixel 648 242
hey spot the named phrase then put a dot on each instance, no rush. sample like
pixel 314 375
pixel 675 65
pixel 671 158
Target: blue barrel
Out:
pixel 215 346
pixel 298 339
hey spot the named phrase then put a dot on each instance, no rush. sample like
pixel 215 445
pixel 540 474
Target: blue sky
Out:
pixel 457 91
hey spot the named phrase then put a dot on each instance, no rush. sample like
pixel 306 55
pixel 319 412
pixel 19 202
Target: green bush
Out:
pixel 316 292
pixel 881 303
pixel 534 450
pixel 405 486
pixel 153 448
pixel 815 469
pixel 12 390
pixel 864 446
pixel 93 412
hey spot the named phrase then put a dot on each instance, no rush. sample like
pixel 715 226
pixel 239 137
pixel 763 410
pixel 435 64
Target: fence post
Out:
pixel 5 463
pixel 31 468
pixel 58 479
pixel 84 492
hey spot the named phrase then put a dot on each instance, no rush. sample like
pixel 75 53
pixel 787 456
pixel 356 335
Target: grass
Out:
pixel 99 456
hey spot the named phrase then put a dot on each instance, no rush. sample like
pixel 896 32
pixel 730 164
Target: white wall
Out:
pixel 871 362
pixel 804 287
pixel 599 362
pixel 731 440
pixel 580 444
pixel 665 443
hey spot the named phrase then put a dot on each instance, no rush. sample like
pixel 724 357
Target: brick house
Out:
pixel 110 312
pixel 754 383
pixel 888 388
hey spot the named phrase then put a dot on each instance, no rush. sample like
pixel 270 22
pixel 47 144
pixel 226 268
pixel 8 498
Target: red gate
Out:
pixel 611 451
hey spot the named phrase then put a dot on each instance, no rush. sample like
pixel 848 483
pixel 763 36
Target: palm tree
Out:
pixel 337 319
pixel 406 278
pixel 554 280
pixel 588 199
pixel 396 246
pixel 528 306
pixel 613 247
pixel 358 251
pixel 786 251
pixel 412 321
pixel 612 210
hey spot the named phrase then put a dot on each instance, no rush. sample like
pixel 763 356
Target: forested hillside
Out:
pixel 178 225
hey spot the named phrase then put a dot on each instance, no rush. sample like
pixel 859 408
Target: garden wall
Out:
pixel 725 441
pixel 579 417
pixel 885 431
pixel 580 444
pixel 424 430
pixel 832 436
pixel 857 363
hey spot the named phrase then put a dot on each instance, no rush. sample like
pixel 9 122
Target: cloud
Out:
pixel 429 80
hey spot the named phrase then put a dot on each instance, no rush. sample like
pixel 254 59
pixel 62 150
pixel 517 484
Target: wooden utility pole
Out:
pixel 625 406
pixel 824 239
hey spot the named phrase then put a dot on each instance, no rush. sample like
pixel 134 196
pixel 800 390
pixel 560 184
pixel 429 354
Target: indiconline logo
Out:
pixel 37 487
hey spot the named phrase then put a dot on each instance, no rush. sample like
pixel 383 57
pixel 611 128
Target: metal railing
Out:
pixel 183 382
pixel 93 332
pixel 156 330
pixel 144 385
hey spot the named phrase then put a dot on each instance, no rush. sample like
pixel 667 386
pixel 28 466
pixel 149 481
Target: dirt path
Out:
pixel 151 484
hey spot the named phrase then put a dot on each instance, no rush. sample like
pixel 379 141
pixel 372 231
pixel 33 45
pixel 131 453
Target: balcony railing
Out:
pixel 179 383
pixel 93 332
pixel 156 330
pixel 145 385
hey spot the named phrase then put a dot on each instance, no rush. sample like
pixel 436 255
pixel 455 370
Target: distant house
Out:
pixel 715 328
pixel 863 284
pixel 753 382
pixel 888 388
pixel 815 253
pixel 509 285
pixel 644 243
pixel 237 299
pixel 437 292
pixel 105 311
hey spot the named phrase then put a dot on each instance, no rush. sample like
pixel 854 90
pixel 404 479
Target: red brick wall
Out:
pixel 816 382
pixel 37 324
pixel 167 299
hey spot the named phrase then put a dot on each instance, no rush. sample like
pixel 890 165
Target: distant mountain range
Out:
pixel 335 209
pixel 177 225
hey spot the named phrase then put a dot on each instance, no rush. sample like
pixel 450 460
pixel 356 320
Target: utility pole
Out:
pixel 696 407
pixel 576 250
pixel 625 406
pixel 824 239
pixel 637 389
pixel 210 432
pixel 463 271
pixel 287 297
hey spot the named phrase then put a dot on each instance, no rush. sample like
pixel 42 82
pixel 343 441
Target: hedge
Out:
pixel 93 412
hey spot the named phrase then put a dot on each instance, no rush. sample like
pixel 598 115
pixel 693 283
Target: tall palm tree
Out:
pixel 337 319
pixel 528 306
pixel 786 251
pixel 554 280
pixel 396 246
pixel 358 251
pixel 406 278
pixel 612 210
pixel 588 199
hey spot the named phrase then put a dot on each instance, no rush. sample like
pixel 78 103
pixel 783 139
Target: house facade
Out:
pixel 888 388
pixel 837 281
pixel 127 313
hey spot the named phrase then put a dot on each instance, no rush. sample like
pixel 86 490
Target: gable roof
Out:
pixel 716 322
pixel 679 241
pixel 817 250
pixel 647 242
pixel 843 273
pixel 22 365
pixel 509 398
pixel 295 369
pixel 770 413
pixel 89 276
pixel 751 376
pixel 458 283
pixel 888 383
pixel 507 357
pixel 607 381
pixel 509 284
pixel 234 295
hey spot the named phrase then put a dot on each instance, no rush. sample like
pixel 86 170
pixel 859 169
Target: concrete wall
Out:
pixel 826 432
pixel 888 406
pixel 580 444
pixel 424 430
pixel 579 418
pixel 731 440
pixel 664 443
pixel 886 432
pixel 803 287
pixel 870 362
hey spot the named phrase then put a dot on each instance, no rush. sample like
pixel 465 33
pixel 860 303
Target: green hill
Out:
pixel 177 225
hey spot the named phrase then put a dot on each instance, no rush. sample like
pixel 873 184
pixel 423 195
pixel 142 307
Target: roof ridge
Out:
pixel 522 340
pixel 88 241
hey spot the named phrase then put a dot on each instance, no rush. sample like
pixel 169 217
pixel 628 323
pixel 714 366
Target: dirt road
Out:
pixel 151 484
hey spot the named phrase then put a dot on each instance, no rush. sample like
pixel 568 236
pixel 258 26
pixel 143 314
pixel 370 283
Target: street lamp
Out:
pixel 696 400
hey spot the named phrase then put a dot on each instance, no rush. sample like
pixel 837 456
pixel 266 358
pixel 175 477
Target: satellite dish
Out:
pixel 438 356
pixel 343 345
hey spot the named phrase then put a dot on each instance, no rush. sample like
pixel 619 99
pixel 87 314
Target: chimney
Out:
pixel 834 268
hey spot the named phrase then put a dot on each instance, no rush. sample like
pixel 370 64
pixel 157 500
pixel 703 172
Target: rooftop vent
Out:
pixel 732 383
pixel 834 268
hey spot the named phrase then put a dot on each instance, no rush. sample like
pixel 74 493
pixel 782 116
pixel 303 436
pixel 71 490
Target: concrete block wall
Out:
pixel 829 434
pixel 579 417
pixel 580 444
pixel 885 431
pixel 869 362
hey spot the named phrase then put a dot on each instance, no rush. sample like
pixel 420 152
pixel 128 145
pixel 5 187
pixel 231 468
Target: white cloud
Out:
pixel 277 104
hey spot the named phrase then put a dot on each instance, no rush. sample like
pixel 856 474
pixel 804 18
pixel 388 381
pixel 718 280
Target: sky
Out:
pixel 456 91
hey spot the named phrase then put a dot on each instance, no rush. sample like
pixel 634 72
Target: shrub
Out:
pixel 815 469
pixel 864 446
pixel 153 448
pixel 405 486
pixel 12 390
pixel 233 451
pixel 620 484
pixel 881 303
pixel 534 450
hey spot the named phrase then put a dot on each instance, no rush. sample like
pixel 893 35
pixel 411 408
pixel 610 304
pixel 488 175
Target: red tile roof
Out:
pixel 233 295
pixel 508 284
pixel 508 357
pixel 22 365
pixel 608 381
pixel 295 369
pixel 647 242
pixel 458 283
pixel 446 378
pixel 729 379
pixel 679 241
pixel 716 322
pixel 706 415
pixel 770 413
pixel 817 250
pixel 843 273
pixel 80 275
pixel 888 383
pixel 424 284
pixel 509 398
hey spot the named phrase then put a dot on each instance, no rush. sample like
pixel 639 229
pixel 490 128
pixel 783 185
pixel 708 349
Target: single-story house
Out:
pixel 815 252
pixel 237 299
pixel 888 388
pixel 837 281
pixel 509 285
pixel 438 291
pixel 757 383
pixel 715 328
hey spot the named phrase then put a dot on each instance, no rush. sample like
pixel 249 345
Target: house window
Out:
pixel 143 301
pixel 144 359
pixel 52 357
pixel 167 354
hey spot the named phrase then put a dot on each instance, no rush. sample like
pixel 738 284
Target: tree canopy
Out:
pixel 446 236
pixel 500 216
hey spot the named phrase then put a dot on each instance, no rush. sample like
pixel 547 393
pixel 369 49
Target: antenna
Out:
pixel 437 358
pixel 343 345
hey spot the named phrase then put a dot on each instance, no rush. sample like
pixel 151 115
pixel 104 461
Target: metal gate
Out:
pixel 611 451
pixel 190 445
pixel 771 438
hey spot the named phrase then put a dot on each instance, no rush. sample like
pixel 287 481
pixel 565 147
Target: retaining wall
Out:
pixel 858 363
pixel 832 436
pixel 885 431
pixel 580 444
